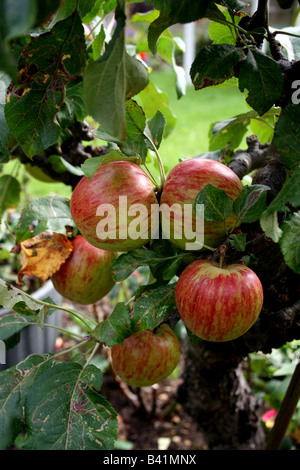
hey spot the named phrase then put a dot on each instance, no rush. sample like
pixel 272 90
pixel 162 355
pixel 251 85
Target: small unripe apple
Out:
pixel 85 277
pixel 146 357
pixel 112 209
pixel 218 303
pixel 181 187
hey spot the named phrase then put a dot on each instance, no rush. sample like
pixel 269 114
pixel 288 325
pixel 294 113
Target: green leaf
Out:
pixel 116 328
pixel 16 17
pixel 60 165
pixel 9 193
pixel 238 241
pixel 135 124
pixel 172 12
pixel 156 126
pixel 251 203
pixel 290 192
pixel 111 80
pixel 207 72
pixel 4 131
pixel 230 131
pixel 262 77
pixel 220 33
pixel 264 127
pixel 290 241
pixel 50 213
pixel 47 64
pixel 15 299
pixel 98 43
pixel 217 203
pixel 269 224
pixel 152 99
pixel 31 119
pixel 153 307
pixel 167 47
pixel 127 263
pixel 90 166
pixel 234 5
pixel 63 397
pixel 286 135
pixel 10 327
pixel 74 100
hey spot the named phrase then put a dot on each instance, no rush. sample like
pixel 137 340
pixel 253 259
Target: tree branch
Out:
pixel 245 161
pixel 286 411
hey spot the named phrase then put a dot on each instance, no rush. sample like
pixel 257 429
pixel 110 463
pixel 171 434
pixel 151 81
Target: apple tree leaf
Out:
pixel 112 79
pixel 9 192
pixel 238 241
pixel 269 224
pixel 251 203
pixel 217 203
pixel 156 126
pixel 127 263
pixel 290 241
pixel 153 307
pixel 206 72
pixel 230 131
pixel 47 213
pixel 153 99
pixel 116 328
pixel 172 12
pixel 63 397
pixel 262 77
pixel 290 192
pixel 33 104
pixel 4 131
pixel 286 135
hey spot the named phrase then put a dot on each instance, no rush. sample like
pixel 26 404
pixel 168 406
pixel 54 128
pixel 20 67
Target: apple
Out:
pixel 112 209
pixel 146 357
pixel 181 187
pixel 218 303
pixel 85 277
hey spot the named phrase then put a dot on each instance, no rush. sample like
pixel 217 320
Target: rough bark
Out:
pixel 216 394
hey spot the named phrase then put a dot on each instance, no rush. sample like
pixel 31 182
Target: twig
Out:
pixel 286 411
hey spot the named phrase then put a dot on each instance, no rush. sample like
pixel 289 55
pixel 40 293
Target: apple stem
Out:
pixel 209 248
pixel 160 163
pixel 223 249
pixel 149 174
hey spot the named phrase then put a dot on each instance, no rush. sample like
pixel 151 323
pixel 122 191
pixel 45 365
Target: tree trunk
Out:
pixel 216 394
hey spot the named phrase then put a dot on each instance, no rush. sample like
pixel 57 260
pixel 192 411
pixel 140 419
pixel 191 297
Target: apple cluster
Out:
pixel 216 302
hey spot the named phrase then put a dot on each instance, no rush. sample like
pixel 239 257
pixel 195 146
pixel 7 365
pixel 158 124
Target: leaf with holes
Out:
pixel 60 404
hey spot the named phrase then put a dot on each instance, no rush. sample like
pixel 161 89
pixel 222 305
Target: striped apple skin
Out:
pixel 218 304
pixel 111 180
pixel 146 357
pixel 182 185
pixel 85 277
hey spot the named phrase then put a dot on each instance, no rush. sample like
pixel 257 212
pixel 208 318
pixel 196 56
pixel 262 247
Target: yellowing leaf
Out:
pixel 43 255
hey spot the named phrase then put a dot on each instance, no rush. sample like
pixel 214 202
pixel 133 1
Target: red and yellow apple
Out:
pixel 146 357
pixel 112 209
pixel 218 303
pixel 85 277
pixel 182 185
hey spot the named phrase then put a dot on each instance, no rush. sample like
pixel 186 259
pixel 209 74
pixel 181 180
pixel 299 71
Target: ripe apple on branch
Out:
pixel 85 277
